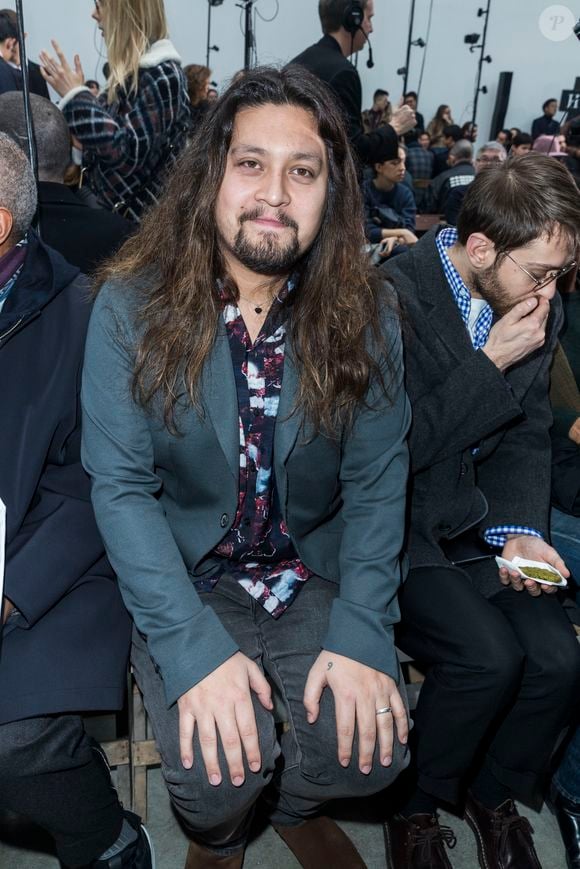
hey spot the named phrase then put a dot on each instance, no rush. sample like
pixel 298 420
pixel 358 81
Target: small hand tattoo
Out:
pixel 330 665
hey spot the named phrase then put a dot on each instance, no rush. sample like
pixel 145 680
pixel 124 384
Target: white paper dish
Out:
pixel 518 563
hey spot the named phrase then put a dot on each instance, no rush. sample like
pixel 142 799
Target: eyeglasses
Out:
pixel 488 160
pixel 549 277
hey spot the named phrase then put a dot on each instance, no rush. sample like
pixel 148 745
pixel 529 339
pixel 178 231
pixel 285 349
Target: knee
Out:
pixel 203 807
pixel 498 660
pixel 557 664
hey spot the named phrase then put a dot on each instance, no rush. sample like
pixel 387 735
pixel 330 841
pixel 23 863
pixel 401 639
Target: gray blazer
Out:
pixel 163 502
pixel 461 400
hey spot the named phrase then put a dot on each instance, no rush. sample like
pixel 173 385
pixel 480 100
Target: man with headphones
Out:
pixel 347 25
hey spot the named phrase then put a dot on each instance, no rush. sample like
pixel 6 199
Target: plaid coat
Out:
pixel 130 144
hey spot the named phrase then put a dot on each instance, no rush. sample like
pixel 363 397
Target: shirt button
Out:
pixel 224 520
pixel 463 469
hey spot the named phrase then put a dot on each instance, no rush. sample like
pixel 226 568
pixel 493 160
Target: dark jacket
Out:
pixel 326 60
pixel 458 176
pixel 84 236
pixel 545 126
pixel 11 79
pixel 461 400
pixel 394 209
pixel 66 649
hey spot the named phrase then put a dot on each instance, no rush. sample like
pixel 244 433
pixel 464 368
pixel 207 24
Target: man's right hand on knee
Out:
pixel 222 704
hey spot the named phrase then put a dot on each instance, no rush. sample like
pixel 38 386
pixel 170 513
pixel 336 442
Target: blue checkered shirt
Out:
pixel 446 239
pixel 498 535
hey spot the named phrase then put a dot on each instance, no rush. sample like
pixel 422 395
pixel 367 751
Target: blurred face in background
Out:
pixel 488 158
pixel 97 14
pixel 392 171
pixel 366 28
pixel 424 141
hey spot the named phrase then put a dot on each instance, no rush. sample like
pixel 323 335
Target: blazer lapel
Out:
pixel 437 299
pixel 288 421
pixel 220 399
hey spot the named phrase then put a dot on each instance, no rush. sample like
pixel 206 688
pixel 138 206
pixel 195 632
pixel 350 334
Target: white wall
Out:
pixel 542 68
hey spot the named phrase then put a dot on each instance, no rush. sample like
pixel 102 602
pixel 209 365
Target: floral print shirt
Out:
pixel 257 550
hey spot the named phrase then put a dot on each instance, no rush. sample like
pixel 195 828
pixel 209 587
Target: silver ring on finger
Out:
pixel 384 710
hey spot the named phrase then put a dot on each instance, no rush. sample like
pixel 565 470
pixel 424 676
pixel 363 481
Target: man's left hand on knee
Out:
pixel 363 698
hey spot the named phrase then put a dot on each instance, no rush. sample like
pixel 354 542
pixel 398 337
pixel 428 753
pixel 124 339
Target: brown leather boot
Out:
pixel 417 842
pixel 320 842
pixel 504 838
pixel 203 858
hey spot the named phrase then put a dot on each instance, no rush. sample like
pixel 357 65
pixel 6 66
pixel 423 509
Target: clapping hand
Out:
pixel 58 73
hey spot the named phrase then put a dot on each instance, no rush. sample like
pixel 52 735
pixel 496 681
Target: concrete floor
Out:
pixel 22 848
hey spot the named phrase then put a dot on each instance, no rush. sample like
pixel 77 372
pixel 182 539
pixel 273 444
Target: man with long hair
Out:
pixel 245 434
pixel 503 674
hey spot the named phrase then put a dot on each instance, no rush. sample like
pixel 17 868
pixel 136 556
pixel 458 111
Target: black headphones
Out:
pixel 353 17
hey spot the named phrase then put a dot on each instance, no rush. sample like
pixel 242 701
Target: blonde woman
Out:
pixel 133 132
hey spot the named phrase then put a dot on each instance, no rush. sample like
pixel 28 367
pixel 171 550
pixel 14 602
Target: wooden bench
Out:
pixel 133 755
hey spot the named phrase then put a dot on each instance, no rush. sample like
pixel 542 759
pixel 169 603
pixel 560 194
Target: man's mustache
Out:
pixel 257 213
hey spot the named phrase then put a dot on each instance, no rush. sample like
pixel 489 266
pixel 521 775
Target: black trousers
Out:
pixel 50 772
pixel 503 677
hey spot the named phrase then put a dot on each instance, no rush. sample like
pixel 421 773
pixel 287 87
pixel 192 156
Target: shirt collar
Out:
pixel 480 330
pixel 10 266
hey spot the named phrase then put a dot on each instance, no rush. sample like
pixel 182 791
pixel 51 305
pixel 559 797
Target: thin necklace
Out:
pixel 257 308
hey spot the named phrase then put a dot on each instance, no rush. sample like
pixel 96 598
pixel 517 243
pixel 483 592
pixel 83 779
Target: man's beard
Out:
pixel 486 283
pixel 269 256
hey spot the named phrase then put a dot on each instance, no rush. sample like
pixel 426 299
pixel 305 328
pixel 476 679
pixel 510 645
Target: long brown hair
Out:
pixel 197 77
pixel 339 297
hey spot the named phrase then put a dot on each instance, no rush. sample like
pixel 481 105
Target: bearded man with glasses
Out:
pixel 503 664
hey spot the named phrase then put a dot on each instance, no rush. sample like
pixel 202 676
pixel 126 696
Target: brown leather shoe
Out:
pixel 504 838
pixel 320 842
pixel 417 842
pixel 203 858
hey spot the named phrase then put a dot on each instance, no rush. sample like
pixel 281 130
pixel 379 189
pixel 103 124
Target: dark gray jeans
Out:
pixel 304 765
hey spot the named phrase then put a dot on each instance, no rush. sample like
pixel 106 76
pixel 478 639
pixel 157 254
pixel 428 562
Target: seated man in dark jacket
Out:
pixel 503 675
pixel 65 632
pixel 460 174
pixel 84 236
pixel 390 208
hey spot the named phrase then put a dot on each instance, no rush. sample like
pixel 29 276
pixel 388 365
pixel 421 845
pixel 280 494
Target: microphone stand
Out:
pixel 209 8
pixel 409 44
pixel 249 33
pixel 31 141
pixel 482 59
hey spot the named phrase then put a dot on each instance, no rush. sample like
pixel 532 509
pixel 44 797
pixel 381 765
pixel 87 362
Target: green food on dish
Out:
pixel 540 573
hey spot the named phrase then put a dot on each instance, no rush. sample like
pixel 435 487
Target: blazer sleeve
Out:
pixel 58 542
pixel 516 478
pixel 185 638
pixel 373 476
pixel 370 147
pixel 123 141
